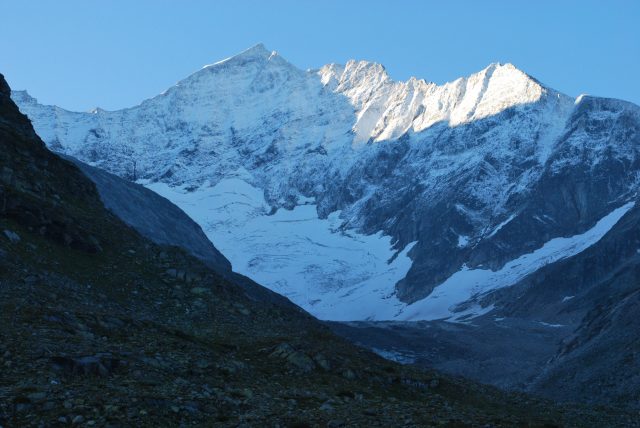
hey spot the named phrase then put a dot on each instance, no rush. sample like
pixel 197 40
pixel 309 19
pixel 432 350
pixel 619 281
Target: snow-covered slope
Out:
pixel 333 274
pixel 361 197
pixel 346 276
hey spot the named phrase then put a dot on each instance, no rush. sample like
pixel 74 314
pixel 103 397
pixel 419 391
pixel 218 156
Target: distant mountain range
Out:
pixel 363 198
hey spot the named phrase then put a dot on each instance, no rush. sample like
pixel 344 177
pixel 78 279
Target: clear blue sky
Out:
pixel 80 54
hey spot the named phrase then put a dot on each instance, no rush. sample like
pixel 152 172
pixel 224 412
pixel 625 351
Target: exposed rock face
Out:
pixel 153 216
pixel 599 363
pixel 159 220
pixel 23 157
pixel 476 172
pixel 597 292
pixel 568 331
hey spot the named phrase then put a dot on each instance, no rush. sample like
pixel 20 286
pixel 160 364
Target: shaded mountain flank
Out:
pixel 567 331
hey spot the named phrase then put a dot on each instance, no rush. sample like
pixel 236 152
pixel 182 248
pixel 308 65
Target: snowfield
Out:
pixel 342 275
pixel 334 274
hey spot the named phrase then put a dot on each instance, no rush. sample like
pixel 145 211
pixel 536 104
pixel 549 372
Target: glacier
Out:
pixel 334 274
pixel 341 275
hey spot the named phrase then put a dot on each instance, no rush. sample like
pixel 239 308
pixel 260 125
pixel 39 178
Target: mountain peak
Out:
pixel 4 87
pixel 255 53
pixel 509 69
pixel 257 49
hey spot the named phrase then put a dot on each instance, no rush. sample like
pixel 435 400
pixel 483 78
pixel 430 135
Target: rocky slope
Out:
pixel 567 331
pixel 596 291
pixel 343 189
pixel 153 216
pixel 162 222
pixel 97 330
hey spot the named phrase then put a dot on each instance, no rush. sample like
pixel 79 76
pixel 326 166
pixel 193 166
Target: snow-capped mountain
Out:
pixel 364 198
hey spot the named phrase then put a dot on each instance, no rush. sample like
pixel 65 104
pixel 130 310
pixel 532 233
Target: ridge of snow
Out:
pixel 579 98
pixel 386 109
pixel 23 97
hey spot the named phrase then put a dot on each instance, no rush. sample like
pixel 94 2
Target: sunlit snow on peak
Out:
pixel 386 109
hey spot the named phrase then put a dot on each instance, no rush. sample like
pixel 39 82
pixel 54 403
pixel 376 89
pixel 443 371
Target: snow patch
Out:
pixel 397 356
pixel 501 225
pixel 550 325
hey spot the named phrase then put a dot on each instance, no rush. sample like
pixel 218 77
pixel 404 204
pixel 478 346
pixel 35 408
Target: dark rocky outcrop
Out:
pixel 595 293
pixel 568 331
